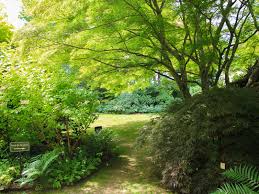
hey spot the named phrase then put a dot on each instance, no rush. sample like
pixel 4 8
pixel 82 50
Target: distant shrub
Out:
pixel 151 100
pixel 189 141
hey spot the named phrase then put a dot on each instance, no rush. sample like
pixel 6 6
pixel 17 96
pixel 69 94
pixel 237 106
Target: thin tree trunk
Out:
pixel 185 91
pixel 227 80
pixel 204 80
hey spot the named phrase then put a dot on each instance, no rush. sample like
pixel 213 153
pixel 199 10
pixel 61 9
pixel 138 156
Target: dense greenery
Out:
pixel 153 99
pixel 188 142
pixel 202 42
pixel 57 168
pixel 9 171
pixel 48 107
pixel 43 106
pixel 54 69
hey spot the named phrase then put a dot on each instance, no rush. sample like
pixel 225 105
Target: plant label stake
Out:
pixel 19 147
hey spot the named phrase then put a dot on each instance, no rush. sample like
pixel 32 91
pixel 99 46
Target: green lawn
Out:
pixel 127 174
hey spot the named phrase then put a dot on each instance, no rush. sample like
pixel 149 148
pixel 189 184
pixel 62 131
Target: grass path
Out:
pixel 127 174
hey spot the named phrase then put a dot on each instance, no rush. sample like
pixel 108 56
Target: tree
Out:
pixel 185 41
pixel 5 28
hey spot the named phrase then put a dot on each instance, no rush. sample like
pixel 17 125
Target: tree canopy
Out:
pixel 5 27
pixel 190 42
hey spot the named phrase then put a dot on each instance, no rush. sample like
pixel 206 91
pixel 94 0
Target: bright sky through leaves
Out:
pixel 13 8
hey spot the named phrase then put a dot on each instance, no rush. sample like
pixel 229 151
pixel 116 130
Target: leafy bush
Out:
pixel 103 143
pixel 94 150
pixel 43 105
pixel 246 180
pixel 189 141
pixel 8 172
pixel 67 171
pixel 151 100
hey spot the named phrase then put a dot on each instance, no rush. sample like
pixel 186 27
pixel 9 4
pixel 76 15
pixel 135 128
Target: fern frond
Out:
pixel 48 159
pixel 247 175
pixel 38 167
pixel 229 188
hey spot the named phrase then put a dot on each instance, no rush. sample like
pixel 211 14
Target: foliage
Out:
pixel 185 41
pixel 246 178
pixel 5 31
pixel 102 143
pixel 38 168
pixel 189 141
pixel 151 100
pixel 8 172
pixel 42 104
pixel 59 168
pixel 5 28
pixel 69 171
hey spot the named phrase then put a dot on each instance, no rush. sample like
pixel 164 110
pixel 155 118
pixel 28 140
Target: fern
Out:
pixel 229 188
pixel 39 167
pixel 246 178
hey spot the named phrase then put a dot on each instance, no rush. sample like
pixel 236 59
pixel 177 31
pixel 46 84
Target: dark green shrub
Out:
pixel 151 100
pixel 94 150
pixel 189 141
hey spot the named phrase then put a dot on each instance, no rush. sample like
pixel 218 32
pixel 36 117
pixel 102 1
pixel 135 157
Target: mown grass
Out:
pixel 127 174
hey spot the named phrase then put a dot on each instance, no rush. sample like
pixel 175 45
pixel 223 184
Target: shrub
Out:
pixel 189 141
pixel 67 171
pixel 151 100
pixel 103 143
pixel 46 107
pixel 8 172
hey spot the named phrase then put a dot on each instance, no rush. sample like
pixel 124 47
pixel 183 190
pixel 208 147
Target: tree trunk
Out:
pixel 204 80
pixel 184 90
pixel 181 83
pixel 227 80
